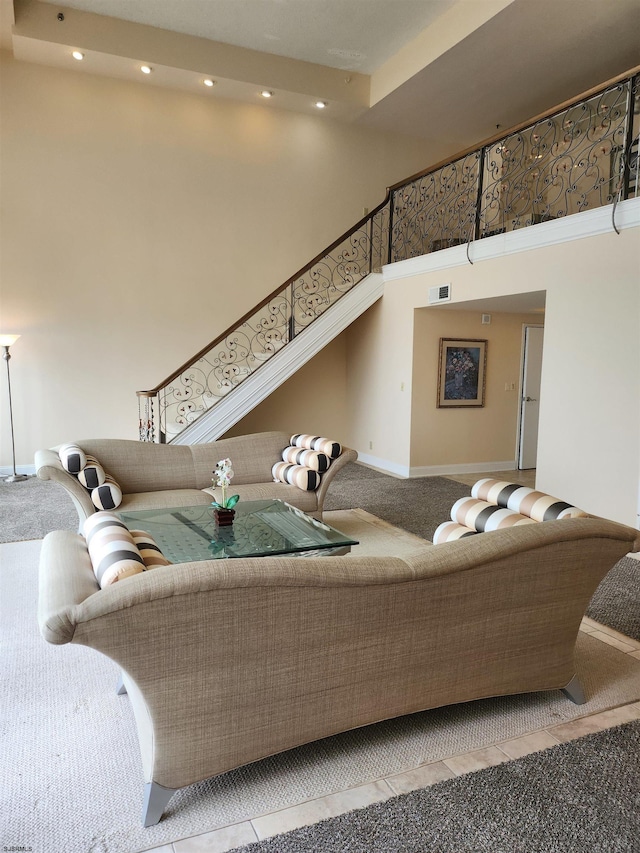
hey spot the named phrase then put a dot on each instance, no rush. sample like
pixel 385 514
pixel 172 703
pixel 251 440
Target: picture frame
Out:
pixel 461 373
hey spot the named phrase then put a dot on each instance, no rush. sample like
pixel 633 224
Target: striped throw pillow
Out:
pixel 449 531
pixel 108 495
pixel 72 457
pixel 534 504
pixel 333 449
pixel 296 475
pixel 113 551
pixel 483 516
pixel 149 550
pixel 307 458
pixel 92 475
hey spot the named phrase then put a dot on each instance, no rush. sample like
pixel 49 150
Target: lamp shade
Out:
pixel 8 340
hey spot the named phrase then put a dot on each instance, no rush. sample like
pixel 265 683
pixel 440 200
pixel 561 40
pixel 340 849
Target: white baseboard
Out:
pixel 30 470
pixel 434 470
pixel 384 465
pixel 463 468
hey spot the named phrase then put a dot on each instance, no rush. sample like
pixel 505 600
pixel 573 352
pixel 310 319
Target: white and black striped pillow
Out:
pixel 72 457
pixel 114 554
pixel 296 475
pixel 108 495
pixel 92 475
pixel 333 449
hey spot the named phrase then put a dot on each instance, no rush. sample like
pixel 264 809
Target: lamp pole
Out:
pixel 6 341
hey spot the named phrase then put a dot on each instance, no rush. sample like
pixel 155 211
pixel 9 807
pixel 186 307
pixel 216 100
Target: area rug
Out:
pixel 66 738
pixel 572 798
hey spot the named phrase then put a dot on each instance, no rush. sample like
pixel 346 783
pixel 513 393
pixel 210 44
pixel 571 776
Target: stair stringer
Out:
pixel 214 422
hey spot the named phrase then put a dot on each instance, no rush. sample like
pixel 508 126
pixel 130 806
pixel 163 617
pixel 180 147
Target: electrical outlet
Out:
pixel 402 386
pixel 370 445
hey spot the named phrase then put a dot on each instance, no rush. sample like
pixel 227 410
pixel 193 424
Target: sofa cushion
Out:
pixel 296 475
pixel 252 457
pixel 112 549
pixel 333 449
pixel 164 499
pixel 141 466
pixel 482 516
pixel 306 501
pixel 534 504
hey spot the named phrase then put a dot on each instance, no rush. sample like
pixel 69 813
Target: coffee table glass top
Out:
pixel 260 528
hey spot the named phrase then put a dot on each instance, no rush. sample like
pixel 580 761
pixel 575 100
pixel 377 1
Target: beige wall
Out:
pixel 313 400
pixel 589 445
pixel 474 435
pixel 139 222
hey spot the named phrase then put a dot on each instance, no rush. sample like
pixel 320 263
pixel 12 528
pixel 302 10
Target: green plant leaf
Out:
pixel 216 505
pixel 232 501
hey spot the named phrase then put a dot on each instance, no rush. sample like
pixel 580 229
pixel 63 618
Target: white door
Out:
pixel 530 396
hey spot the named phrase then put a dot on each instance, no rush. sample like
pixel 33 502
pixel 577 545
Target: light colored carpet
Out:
pixel 71 778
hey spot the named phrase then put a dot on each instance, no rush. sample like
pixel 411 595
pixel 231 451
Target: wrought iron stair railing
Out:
pixel 578 156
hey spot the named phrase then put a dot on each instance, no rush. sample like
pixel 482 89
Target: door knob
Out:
pixel 530 400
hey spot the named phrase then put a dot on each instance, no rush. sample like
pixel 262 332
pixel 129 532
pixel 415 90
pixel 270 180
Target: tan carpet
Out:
pixel 71 776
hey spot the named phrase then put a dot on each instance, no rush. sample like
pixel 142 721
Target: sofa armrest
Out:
pixel 347 455
pixel 49 467
pixel 66 580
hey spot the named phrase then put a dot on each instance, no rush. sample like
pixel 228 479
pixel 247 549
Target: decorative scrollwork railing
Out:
pixel 576 157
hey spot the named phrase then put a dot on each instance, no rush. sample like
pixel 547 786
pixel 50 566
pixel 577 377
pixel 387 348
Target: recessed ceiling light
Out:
pixel 208 82
pixel 146 69
pixel 77 55
pixel 266 93
pixel 321 104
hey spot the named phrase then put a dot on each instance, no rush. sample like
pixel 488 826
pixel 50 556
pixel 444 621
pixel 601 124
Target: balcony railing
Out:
pixel 578 156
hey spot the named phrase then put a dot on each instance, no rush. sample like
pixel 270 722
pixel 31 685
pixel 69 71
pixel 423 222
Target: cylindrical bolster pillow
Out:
pixel 315 442
pixel 72 457
pixel 108 495
pixel 536 505
pixel 483 516
pixel 307 458
pixel 92 475
pixel 448 531
pixel 296 475
pixel 149 550
pixel 114 554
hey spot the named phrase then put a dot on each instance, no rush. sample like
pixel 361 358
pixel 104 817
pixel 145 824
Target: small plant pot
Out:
pixel 223 517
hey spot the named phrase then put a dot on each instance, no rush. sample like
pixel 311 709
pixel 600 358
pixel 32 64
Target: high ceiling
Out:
pixel 355 35
pixel 448 71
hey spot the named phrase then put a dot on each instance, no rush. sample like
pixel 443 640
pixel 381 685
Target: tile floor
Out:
pixel 266 825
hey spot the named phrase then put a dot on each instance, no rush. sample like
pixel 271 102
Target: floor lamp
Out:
pixel 6 341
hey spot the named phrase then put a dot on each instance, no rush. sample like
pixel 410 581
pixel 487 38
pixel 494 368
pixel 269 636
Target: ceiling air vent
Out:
pixel 442 293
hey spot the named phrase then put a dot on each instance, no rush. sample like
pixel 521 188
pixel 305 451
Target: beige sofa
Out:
pixel 162 475
pixel 277 652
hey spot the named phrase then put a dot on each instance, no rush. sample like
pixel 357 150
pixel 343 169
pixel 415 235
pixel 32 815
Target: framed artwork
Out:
pixel 461 373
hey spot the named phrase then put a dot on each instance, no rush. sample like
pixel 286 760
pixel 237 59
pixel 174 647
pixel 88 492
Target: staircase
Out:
pixel 284 363
pixel 579 156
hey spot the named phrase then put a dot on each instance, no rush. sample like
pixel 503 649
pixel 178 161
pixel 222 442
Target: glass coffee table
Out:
pixel 260 529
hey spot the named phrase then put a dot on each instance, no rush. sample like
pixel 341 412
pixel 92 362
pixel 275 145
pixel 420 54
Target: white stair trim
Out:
pixel 213 423
pixel 589 223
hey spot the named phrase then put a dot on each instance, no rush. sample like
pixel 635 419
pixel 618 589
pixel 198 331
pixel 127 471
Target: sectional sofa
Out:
pixel 149 476
pixel 229 661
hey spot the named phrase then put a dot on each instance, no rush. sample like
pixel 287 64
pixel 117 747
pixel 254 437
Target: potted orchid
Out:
pixel 224 510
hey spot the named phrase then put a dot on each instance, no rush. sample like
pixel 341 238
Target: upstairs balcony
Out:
pixel 578 156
